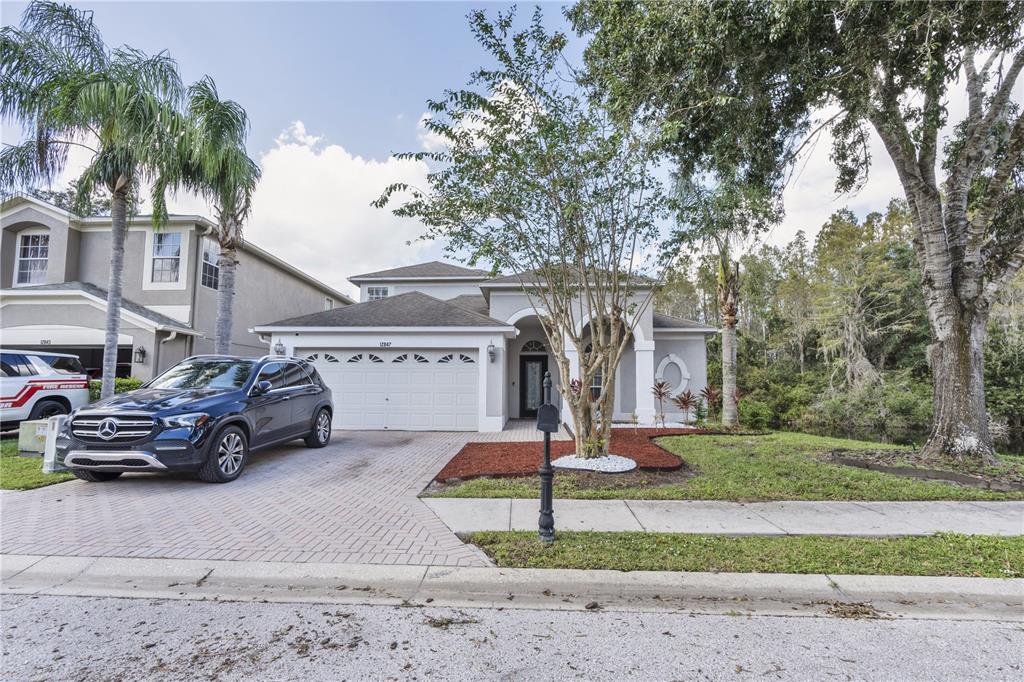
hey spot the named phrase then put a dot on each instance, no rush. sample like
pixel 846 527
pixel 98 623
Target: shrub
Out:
pixel 897 411
pixel 755 414
pixel 121 385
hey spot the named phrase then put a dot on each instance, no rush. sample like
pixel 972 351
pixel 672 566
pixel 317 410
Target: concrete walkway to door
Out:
pixel 735 518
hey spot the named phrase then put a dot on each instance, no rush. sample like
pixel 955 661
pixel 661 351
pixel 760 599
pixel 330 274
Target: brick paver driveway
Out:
pixel 353 501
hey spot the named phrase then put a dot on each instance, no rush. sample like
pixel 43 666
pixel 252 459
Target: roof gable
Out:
pixel 432 270
pixel 411 309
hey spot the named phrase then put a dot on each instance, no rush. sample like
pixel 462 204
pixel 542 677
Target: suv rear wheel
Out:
pixel 321 433
pixel 96 476
pixel 228 455
pixel 45 409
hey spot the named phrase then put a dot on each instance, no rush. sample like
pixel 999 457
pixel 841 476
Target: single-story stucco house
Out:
pixel 436 346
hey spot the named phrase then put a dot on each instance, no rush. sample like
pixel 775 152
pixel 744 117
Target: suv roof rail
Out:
pixel 38 352
pixel 244 357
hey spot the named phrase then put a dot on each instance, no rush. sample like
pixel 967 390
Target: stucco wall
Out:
pixel 692 350
pixel 506 303
pixel 94 267
pixel 263 294
pixel 441 290
pixel 28 217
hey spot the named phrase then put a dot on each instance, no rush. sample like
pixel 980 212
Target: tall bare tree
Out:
pixel 536 179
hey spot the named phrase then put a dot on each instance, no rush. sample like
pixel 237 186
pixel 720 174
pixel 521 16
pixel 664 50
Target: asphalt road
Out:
pixel 92 638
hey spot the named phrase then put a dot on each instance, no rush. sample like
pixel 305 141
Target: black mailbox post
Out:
pixel 548 422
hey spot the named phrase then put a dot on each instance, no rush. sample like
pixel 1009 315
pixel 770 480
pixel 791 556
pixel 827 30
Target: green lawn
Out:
pixel 943 554
pixel 777 466
pixel 24 473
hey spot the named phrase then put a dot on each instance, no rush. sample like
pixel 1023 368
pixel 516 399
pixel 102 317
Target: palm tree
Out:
pixel 213 162
pixel 60 81
pixel 728 308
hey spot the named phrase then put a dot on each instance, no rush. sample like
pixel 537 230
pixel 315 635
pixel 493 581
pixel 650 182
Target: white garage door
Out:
pixel 406 390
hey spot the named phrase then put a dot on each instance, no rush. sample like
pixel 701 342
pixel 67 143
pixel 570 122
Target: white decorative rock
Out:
pixel 608 464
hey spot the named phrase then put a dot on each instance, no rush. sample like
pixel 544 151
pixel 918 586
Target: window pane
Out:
pixel 16 365
pixel 274 373
pixel 33 250
pixel 294 375
pixel 167 244
pixel 165 269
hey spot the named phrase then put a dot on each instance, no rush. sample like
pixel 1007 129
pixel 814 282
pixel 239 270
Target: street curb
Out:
pixel 552 589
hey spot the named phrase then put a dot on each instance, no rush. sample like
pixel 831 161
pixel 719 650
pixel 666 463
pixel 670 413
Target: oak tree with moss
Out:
pixel 741 88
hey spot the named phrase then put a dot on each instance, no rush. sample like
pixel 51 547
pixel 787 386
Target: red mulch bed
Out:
pixel 524 458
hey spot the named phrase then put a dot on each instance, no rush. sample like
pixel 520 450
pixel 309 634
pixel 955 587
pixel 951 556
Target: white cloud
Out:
pixel 312 209
pixel 810 196
pixel 429 140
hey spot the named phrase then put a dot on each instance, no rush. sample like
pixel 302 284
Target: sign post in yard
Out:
pixel 548 422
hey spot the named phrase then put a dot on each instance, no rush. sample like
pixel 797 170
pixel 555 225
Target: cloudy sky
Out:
pixel 333 89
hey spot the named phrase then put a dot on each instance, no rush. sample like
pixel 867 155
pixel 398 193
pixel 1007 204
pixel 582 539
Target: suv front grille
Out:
pixel 111 428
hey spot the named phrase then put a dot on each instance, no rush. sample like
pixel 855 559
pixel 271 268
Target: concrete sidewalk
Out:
pixel 734 518
pixel 505 588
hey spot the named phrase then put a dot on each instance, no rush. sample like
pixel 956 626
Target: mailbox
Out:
pixel 547 418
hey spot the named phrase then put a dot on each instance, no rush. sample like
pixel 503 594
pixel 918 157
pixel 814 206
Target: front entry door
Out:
pixel 531 384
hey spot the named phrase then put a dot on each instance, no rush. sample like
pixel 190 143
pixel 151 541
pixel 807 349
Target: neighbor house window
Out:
pixel 33 251
pixel 166 256
pixel 210 277
pixel 376 293
pixel 328 303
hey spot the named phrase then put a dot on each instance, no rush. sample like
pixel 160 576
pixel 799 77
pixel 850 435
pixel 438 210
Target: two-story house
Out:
pixel 436 346
pixel 55 267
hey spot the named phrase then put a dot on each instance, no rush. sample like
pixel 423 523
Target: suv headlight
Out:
pixel 190 420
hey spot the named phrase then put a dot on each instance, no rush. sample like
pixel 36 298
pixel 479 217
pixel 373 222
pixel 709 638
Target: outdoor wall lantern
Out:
pixel 139 356
pixel 492 352
pixel 279 348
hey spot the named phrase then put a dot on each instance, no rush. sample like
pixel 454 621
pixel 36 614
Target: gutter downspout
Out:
pixel 156 360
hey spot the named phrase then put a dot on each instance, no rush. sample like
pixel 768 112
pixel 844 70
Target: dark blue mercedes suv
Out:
pixel 204 415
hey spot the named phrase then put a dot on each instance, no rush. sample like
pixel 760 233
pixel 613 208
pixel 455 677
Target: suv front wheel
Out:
pixel 228 455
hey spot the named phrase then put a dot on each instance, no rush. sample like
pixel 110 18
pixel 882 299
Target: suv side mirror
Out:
pixel 263 387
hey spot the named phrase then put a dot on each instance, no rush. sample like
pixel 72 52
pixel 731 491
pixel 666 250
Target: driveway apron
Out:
pixel 351 502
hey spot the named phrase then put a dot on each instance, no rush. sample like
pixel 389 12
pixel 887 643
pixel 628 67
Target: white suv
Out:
pixel 40 384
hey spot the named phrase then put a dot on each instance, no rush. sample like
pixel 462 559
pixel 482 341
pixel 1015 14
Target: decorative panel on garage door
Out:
pixel 404 390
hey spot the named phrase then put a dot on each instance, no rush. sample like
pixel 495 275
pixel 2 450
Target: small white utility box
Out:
pixel 53 427
pixel 32 438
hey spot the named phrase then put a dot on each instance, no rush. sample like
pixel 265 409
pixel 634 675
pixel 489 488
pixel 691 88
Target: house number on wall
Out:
pixel 385 344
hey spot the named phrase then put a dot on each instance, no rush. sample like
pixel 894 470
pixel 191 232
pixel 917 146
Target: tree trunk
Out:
pixel 730 412
pixel 119 229
pixel 225 298
pixel 960 420
pixel 583 421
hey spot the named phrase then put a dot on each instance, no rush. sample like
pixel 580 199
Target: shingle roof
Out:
pixel 663 321
pixel 475 302
pixel 159 319
pixel 411 309
pixel 432 269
